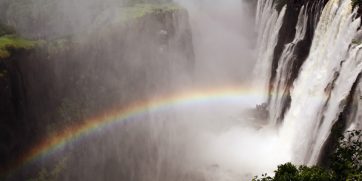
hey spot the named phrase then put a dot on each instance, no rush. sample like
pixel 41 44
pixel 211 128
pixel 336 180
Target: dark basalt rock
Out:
pixel 14 134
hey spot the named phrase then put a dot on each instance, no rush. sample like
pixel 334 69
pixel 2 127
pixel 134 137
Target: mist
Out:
pixel 107 61
pixel 223 37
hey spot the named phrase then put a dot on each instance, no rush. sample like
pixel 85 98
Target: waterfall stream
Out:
pixel 268 23
pixel 319 93
pixel 285 68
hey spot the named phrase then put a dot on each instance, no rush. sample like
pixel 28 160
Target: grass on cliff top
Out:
pixel 8 42
pixel 140 10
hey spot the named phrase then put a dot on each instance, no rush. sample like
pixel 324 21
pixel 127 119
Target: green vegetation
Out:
pixel 51 19
pixel 133 2
pixel 347 160
pixel 346 164
pixel 12 42
pixel 356 42
pixel 143 9
pixel 289 172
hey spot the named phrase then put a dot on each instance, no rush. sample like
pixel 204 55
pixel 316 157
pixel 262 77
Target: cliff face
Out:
pixel 64 81
pixel 11 108
pixel 13 96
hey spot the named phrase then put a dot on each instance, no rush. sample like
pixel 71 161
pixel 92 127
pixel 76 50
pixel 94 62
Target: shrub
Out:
pixel 346 164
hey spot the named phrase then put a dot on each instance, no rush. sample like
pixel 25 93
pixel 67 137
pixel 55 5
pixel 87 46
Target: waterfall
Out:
pixel 268 24
pixel 284 69
pixel 324 82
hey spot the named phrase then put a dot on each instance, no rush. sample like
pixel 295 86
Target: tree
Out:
pixel 346 164
pixel 290 172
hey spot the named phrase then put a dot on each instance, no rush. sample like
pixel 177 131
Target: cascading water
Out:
pixel 268 23
pixel 285 68
pixel 324 82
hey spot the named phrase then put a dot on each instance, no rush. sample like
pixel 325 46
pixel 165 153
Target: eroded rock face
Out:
pixel 12 107
pixel 66 80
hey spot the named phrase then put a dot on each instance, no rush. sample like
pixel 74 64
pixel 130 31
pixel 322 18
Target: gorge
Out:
pixel 175 90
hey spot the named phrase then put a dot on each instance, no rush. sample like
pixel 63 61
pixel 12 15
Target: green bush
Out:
pixel 290 172
pixel 12 42
pixel 347 160
pixel 346 164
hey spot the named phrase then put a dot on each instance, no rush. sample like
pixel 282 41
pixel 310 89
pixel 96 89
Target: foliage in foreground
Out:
pixel 290 172
pixel 346 164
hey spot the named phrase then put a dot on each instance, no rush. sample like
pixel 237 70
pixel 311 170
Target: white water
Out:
pixel 285 68
pixel 268 24
pixel 243 149
pixel 316 99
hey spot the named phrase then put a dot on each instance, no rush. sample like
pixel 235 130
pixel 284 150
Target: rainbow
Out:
pixel 185 98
